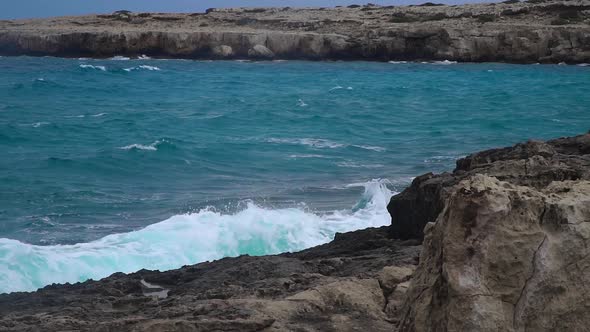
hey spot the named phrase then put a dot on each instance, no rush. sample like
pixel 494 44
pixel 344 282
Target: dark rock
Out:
pixel 534 164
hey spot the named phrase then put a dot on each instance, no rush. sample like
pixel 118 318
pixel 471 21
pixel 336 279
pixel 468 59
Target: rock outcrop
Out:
pixel 533 163
pixel 524 32
pixel 503 257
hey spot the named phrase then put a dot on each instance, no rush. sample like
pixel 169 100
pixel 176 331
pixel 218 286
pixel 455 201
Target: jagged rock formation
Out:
pixel 533 163
pixel 503 257
pixel 536 31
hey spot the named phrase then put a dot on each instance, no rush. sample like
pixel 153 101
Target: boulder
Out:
pixel 503 257
pixel 223 51
pixel 260 51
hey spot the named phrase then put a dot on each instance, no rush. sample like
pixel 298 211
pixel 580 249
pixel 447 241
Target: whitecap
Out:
pixel 370 147
pixel 187 239
pixel 151 147
pixel 75 116
pixel 37 124
pixel 317 143
pixel 143 57
pixel 583 64
pixel 338 87
pixel 562 64
pixel 298 156
pixel 146 67
pixel 351 164
pixel 98 115
pixel 85 66
pixel 397 62
pixel 301 103
pixel 119 58
pixel 445 62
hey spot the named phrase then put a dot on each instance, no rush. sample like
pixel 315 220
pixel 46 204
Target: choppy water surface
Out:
pixel 117 165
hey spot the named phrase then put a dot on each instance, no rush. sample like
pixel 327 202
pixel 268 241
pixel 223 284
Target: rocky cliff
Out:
pixel 525 32
pixel 506 247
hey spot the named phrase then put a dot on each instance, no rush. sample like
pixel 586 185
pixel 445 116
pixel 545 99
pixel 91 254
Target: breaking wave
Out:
pixel 187 239
pixel 101 68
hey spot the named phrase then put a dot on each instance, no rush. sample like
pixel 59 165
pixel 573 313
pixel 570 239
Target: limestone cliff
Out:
pixel 527 32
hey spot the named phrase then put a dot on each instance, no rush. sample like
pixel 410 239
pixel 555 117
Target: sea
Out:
pixel 121 164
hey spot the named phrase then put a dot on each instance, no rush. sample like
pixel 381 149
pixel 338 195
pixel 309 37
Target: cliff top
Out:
pixel 352 20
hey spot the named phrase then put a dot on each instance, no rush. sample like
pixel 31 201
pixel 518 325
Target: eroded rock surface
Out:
pixel 533 163
pixel 503 257
pixel 342 286
pixel 525 32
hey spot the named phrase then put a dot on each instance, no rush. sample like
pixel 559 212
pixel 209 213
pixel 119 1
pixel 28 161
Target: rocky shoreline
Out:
pixel 500 243
pixel 520 32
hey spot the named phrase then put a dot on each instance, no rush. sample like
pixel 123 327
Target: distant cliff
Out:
pixel 522 32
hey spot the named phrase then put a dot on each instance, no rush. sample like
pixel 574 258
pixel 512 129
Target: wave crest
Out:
pixel 187 239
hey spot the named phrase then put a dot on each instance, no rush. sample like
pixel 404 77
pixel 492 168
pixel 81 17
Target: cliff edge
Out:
pixel 521 32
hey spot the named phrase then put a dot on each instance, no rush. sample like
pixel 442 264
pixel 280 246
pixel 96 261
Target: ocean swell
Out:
pixel 187 239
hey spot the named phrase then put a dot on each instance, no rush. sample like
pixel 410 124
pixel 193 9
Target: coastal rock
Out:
pixel 260 51
pixel 533 163
pixel 503 257
pixel 524 32
pixel 334 287
pixel 223 51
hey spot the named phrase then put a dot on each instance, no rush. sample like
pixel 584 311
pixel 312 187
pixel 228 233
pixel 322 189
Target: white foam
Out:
pixel 562 64
pixel 119 58
pixel 338 87
pixel 445 62
pixel 370 147
pixel 583 65
pixel 85 66
pixel 311 142
pixel 143 57
pixel 320 143
pixel 300 156
pixel 351 164
pixel 301 103
pixel 98 115
pixel 146 67
pixel 187 239
pixel 35 124
pixel 151 147
pixel 397 62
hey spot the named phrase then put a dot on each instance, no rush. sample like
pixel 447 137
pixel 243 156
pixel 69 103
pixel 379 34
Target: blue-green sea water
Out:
pixel 122 164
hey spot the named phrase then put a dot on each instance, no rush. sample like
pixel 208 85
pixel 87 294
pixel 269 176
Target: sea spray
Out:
pixel 187 239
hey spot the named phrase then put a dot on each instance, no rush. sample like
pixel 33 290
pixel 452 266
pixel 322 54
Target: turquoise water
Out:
pixel 117 165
